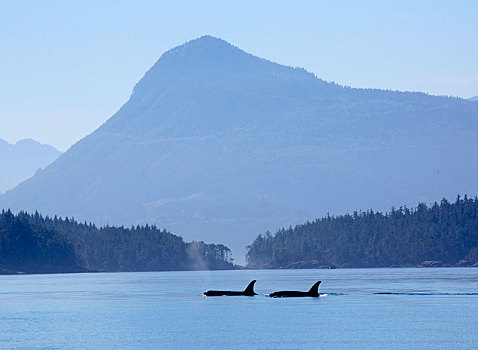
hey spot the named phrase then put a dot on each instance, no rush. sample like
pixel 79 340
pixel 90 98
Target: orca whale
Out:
pixel 249 291
pixel 313 292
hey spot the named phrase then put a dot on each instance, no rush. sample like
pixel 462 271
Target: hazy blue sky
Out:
pixel 67 67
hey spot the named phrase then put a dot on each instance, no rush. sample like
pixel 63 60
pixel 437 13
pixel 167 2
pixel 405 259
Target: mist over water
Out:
pixel 428 309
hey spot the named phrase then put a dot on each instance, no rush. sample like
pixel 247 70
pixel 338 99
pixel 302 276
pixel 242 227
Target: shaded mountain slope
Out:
pixel 217 144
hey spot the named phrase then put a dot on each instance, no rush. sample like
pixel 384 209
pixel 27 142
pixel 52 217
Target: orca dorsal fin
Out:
pixel 250 289
pixel 314 291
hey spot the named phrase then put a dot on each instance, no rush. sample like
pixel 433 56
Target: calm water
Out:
pixel 430 309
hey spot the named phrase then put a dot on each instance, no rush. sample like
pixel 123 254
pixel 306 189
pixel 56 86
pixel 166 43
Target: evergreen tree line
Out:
pixel 442 234
pixel 32 243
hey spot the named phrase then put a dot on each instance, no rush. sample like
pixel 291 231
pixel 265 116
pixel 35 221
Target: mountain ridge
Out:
pixel 22 159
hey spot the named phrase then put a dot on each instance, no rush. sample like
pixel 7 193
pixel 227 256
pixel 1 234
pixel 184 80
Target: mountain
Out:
pixel 219 145
pixel 18 162
pixel 474 98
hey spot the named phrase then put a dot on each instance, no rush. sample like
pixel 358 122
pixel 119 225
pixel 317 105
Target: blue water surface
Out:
pixel 423 309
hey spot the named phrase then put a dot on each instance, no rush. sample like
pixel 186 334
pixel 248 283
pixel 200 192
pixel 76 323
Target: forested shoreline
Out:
pixel 31 243
pixel 444 234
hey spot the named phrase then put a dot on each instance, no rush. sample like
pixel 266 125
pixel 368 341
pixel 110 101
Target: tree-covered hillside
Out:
pixel 34 248
pixel 37 244
pixel 445 233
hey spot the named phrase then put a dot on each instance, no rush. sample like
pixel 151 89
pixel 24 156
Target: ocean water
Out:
pixel 426 309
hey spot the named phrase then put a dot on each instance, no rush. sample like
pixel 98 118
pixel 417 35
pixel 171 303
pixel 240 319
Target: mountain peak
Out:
pixel 27 142
pixel 208 58
pixel 20 160
pixel 205 41
pixel 206 52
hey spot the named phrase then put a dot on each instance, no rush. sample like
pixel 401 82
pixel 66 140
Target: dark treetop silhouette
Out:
pixel 445 233
pixel 31 243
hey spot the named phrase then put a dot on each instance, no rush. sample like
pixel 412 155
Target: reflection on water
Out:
pixel 358 308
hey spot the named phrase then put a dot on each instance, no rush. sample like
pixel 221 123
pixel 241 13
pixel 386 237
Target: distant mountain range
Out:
pixel 18 162
pixel 219 145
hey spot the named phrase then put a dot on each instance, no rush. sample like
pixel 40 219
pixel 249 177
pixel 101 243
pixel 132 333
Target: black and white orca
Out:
pixel 313 292
pixel 249 291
